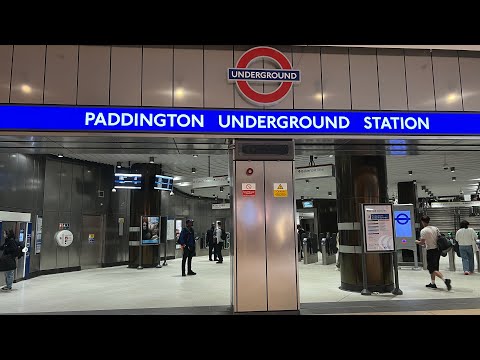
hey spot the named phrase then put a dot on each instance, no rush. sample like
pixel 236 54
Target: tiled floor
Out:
pixel 163 291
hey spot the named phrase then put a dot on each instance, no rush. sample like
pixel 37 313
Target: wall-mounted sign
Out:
pixel 232 121
pixel 242 75
pixel 91 238
pixel 38 234
pixel 248 189
pixel 378 227
pixel 64 238
pixel 64 226
pixel 318 171
pixel 212 181
pixel 220 206
pixel 454 204
pixel 280 190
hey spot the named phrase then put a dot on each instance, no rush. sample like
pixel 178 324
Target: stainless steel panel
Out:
pixel 52 186
pixel 90 186
pixel 126 76
pixel 336 79
pixel 420 92
pixel 94 75
pixel 5 71
pixel 446 73
pixel 470 77
pixel 28 74
pixel 65 186
pixel 308 94
pixel 76 215
pixel 391 79
pixel 219 93
pixel 281 238
pixel 62 252
pixel 240 101
pixel 251 289
pixel 364 79
pixel 90 255
pixel 188 77
pixel 48 254
pixel 61 74
pixel 268 87
pixel 157 84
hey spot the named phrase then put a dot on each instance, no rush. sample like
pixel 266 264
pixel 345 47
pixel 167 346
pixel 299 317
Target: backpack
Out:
pixel 443 243
pixel 223 236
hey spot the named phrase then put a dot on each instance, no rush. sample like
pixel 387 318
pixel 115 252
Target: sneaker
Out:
pixel 219 262
pixel 210 260
pixel 466 273
pixel 448 282
pixel 6 288
pixel 184 274
pixel 191 273
pixel 433 286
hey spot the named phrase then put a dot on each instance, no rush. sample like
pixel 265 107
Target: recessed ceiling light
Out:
pixel 410 172
pixel 452 169
pixel 151 161
pixel 195 155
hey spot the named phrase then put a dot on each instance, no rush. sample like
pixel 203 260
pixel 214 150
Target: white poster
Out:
pixel 38 235
pixel 170 229
pixel 378 227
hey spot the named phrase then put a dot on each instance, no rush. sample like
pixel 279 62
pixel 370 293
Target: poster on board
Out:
pixel 170 229
pixel 38 234
pixel 378 227
pixel 150 230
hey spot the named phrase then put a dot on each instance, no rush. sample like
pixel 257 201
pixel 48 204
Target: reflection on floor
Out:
pixel 124 290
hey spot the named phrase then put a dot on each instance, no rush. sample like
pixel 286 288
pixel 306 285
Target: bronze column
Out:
pixel 360 179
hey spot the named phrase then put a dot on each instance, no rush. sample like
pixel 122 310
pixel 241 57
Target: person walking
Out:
pixel 220 235
pixel 8 262
pixel 428 238
pixel 211 243
pixel 187 242
pixel 467 243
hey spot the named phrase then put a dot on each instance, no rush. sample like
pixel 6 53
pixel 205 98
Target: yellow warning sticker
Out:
pixel 280 190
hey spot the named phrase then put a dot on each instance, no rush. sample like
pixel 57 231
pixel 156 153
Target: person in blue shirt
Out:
pixel 187 242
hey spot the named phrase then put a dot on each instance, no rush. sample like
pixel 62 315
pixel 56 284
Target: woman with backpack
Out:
pixel 8 262
pixel 467 241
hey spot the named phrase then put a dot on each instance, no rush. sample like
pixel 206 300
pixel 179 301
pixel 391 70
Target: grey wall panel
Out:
pixel 240 101
pixel 61 74
pixel 280 238
pixel 188 77
pixel 336 79
pixel 62 252
pixel 391 79
pixel 157 84
pixel 420 89
pixel 90 186
pixel 126 76
pixel 470 75
pixel 21 172
pixel 308 94
pixel 251 273
pixel 219 93
pixel 287 101
pixel 48 255
pixel 5 71
pixel 65 186
pixel 446 73
pixel 52 185
pixel 364 79
pixel 93 75
pixel 76 214
pixel 28 74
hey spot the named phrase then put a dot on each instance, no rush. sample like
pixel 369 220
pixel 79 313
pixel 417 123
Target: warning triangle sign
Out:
pixel 280 187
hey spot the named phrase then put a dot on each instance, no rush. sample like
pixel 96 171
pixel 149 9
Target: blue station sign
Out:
pixel 234 121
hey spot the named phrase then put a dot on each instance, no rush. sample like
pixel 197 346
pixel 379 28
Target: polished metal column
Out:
pixel 360 179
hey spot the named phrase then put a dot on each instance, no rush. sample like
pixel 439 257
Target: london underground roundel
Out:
pixel 242 75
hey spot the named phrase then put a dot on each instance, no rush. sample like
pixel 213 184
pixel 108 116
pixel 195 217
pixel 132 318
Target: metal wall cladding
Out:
pixel 195 76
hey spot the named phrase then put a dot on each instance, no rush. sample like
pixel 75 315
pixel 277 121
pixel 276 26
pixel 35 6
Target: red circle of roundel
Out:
pixel 246 89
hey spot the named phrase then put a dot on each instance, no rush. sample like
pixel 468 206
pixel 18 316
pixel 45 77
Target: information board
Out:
pixel 378 227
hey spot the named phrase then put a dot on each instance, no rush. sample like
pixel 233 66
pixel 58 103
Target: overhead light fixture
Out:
pixel 329 193
pixel 192 191
pixel 194 170
pixel 461 192
pixel 27 89
pixel 410 172
pixel 445 165
pixel 318 188
pixel 114 190
pixel 221 188
pixel 307 181
pixel 151 160
pixel 454 178
pixel 228 195
pixel 119 164
pixel 415 181
pixel 302 197
pixel 171 192
pixel 452 169
pixel 330 155
pixel 60 155
pixel 423 187
pixel 195 155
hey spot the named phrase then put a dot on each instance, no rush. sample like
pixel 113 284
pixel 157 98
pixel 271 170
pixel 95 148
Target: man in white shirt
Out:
pixel 428 237
pixel 219 242
pixel 467 243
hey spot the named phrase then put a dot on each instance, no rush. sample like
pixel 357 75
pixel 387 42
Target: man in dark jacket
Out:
pixel 211 243
pixel 8 262
pixel 187 242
